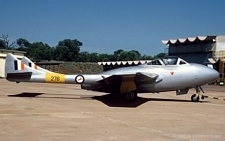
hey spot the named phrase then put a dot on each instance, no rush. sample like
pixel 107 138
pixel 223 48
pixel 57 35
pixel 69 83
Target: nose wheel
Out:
pixel 195 97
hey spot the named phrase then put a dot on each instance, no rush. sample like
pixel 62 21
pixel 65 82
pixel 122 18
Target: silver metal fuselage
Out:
pixel 171 77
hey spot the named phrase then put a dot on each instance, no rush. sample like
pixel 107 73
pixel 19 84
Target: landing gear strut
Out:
pixel 195 97
pixel 130 96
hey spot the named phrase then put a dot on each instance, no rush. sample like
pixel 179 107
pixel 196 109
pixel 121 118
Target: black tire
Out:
pixel 130 96
pixel 195 98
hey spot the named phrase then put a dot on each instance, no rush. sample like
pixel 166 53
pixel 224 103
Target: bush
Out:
pixel 80 68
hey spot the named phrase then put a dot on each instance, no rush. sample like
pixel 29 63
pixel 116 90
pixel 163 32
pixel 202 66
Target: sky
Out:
pixel 104 26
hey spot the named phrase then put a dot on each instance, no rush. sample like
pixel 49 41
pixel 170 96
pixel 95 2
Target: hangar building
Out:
pixel 3 53
pixel 196 49
pixel 201 49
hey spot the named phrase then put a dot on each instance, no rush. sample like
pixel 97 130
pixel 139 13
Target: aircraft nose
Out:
pixel 213 73
pixel 210 74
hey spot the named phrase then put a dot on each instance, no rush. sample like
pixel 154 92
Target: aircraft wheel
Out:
pixel 195 98
pixel 131 96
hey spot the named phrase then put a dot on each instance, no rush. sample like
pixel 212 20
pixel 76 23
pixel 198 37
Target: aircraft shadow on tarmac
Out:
pixel 111 100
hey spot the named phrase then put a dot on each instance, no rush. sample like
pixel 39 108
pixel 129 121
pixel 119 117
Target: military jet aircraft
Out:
pixel 167 74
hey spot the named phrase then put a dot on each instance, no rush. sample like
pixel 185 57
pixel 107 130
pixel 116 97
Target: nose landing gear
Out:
pixel 195 97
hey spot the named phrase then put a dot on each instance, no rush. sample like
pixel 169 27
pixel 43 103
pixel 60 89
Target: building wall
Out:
pixel 220 43
pixel 3 53
pixel 2 67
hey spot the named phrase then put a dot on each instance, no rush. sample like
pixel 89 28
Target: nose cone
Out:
pixel 212 74
pixel 207 74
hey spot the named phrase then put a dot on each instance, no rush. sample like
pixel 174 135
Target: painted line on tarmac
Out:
pixel 211 97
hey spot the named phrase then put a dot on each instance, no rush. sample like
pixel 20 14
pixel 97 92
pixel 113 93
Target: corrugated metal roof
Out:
pixel 12 51
pixel 188 40
pixel 137 62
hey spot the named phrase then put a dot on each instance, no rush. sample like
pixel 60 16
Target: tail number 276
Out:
pixel 55 78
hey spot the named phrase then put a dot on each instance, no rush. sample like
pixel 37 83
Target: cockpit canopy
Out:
pixel 169 60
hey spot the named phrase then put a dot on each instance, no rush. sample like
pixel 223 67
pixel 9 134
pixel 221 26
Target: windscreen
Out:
pixel 170 60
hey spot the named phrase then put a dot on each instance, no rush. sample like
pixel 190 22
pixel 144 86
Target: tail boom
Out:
pixel 17 71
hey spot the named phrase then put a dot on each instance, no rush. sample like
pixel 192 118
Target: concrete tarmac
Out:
pixel 56 112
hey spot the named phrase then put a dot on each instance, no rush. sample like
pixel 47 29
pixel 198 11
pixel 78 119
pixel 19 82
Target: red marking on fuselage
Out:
pixel 22 66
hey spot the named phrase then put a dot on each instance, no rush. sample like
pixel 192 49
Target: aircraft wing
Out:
pixel 145 77
pixel 138 77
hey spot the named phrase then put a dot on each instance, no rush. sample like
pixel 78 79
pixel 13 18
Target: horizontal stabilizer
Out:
pixel 22 76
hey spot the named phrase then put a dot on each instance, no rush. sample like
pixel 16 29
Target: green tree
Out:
pixel 22 44
pixel 5 43
pixel 133 55
pixel 93 57
pixel 39 51
pixel 112 57
pixel 2 44
pixel 103 57
pixel 117 54
pixel 83 57
pixel 146 57
pixel 67 50
pixel 61 53
pixel 160 55
pixel 123 56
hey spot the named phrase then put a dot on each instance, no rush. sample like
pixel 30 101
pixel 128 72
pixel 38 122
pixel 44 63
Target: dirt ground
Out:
pixel 55 112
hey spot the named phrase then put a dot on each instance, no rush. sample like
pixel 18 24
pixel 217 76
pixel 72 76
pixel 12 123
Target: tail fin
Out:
pixel 29 63
pixel 15 70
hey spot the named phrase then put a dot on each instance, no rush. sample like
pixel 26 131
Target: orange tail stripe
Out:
pixel 22 66
pixel 35 66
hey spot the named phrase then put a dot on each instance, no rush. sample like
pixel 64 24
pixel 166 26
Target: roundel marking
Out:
pixel 79 79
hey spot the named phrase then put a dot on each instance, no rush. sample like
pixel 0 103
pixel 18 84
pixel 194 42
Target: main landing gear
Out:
pixel 195 97
pixel 130 96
